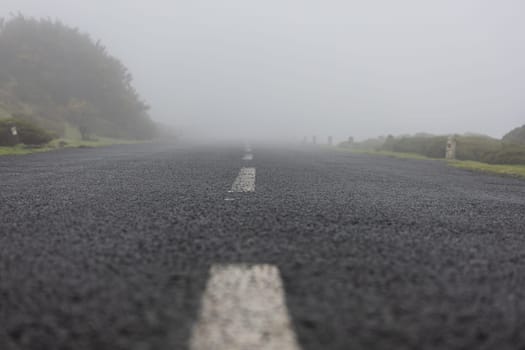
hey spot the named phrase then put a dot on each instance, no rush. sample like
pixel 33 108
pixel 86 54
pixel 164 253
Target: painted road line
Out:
pixel 245 181
pixel 243 307
pixel 248 149
pixel 248 156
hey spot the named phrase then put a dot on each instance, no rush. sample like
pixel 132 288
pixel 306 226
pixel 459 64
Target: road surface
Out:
pixel 178 247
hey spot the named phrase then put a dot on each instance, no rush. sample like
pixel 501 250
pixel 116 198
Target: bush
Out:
pixel 516 136
pixel 476 147
pixel 508 154
pixel 368 144
pixel 429 146
pixel 28 133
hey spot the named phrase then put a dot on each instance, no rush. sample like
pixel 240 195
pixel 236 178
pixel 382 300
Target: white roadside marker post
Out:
pixel 12 136
pixel 451 148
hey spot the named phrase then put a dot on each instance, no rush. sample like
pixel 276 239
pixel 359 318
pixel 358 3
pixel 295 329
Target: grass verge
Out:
pixel 385 153
pixel 98 142
pixel 501 169
pixel 64 143
pixel 21 150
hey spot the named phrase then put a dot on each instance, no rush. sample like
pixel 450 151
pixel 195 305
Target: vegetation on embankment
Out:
pixel 470 147
pixel 501 169
pixel 30 138
pixel 473 152
pixel 385 153
pixel 16 131
pixel 55 78
pixel 61 143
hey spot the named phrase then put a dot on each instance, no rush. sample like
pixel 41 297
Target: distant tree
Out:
pixel 58 74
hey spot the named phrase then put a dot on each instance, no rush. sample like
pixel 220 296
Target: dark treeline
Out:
pixel 56 76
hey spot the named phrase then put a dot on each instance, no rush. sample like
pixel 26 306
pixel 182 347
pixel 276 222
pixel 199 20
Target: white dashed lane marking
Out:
pixel 243 307
pixel 245 181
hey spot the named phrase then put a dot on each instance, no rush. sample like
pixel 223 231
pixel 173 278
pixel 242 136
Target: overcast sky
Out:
pixel 287 68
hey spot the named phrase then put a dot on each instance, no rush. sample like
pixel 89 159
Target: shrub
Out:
pixel 476 147
pixel 368 144
pixel 516 136
pixel 508 154
pixel 469 147
pixel 28 133
pixel 429 146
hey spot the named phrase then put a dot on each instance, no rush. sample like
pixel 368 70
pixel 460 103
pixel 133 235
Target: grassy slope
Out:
pixel 510 170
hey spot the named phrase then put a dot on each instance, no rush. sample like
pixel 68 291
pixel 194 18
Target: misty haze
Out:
pixel 226 68
pixel 288 175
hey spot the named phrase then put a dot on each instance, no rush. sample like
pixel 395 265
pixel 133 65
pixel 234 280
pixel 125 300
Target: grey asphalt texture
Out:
pixel 110 248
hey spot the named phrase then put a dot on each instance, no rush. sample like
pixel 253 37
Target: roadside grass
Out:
pixel 500 169
pixel 65 143
pixel 403 155
pixel 392 154
pixel 95 142
pixel 22 150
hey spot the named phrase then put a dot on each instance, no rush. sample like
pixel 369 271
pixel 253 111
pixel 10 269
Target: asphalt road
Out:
pixel 115 248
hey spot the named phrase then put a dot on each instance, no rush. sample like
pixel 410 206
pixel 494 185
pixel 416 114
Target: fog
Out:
pixel 286 69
